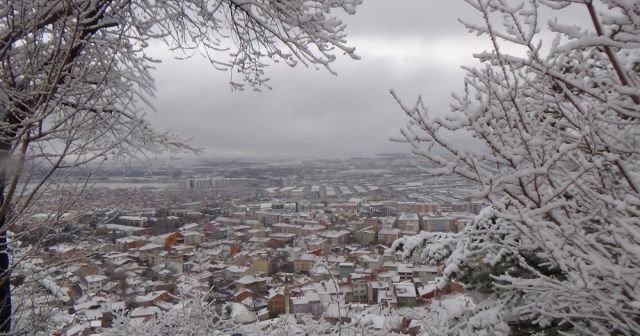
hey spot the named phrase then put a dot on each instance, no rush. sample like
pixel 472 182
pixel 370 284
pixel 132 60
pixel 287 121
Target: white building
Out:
pixel 95 282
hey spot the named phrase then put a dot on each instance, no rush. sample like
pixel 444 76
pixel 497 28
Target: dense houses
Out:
pixel 288 249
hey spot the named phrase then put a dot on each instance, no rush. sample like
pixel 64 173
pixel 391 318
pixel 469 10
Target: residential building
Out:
pixel 405 293
pixel 137 221
pixel 408 221
pixel 95 283
pixel 192 238
pixel 148 251
pixel 263 263
pixel 418 207
pixel 405 272
pixel 152 298
pixel 254 233
pixel 242 294
pixel 360 290
pixel 261 241
pixel 304 263
pixel 373 222
pixel 369 260
pixel 286 228
pixel 345 269
pixel 300 305
pixel 168 239
pixel 437 224
pixel 255 284
pixel 318 244
pixel 366 236
pixel 283 238
pixel 144 313
pixel 425 273
pixel 373 288
pixel 234 272
pixel 276 304
pixel 336 238
pixel 310 229
pixel 388 236
pixel 267 218
pixel 131 242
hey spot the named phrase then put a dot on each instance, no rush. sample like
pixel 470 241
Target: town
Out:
pixel 264 238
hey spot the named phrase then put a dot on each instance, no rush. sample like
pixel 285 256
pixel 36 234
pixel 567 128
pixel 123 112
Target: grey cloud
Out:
pixel 426 18
pixel 311 112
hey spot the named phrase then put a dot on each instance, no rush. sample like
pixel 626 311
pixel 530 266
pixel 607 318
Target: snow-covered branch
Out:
pixel 557 250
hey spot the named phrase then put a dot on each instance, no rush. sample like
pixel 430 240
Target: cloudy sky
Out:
pixel 411 46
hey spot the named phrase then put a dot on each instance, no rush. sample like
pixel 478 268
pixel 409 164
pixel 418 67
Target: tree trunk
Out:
pixel 5 270
pixel 5 285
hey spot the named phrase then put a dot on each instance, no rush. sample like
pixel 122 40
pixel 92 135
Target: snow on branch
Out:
pixel 556 252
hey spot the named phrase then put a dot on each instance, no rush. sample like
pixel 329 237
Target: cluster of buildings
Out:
pixel 280 246
pixel 270 258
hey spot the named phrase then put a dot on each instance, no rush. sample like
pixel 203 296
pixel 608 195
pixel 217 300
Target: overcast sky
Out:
pixel 413 46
